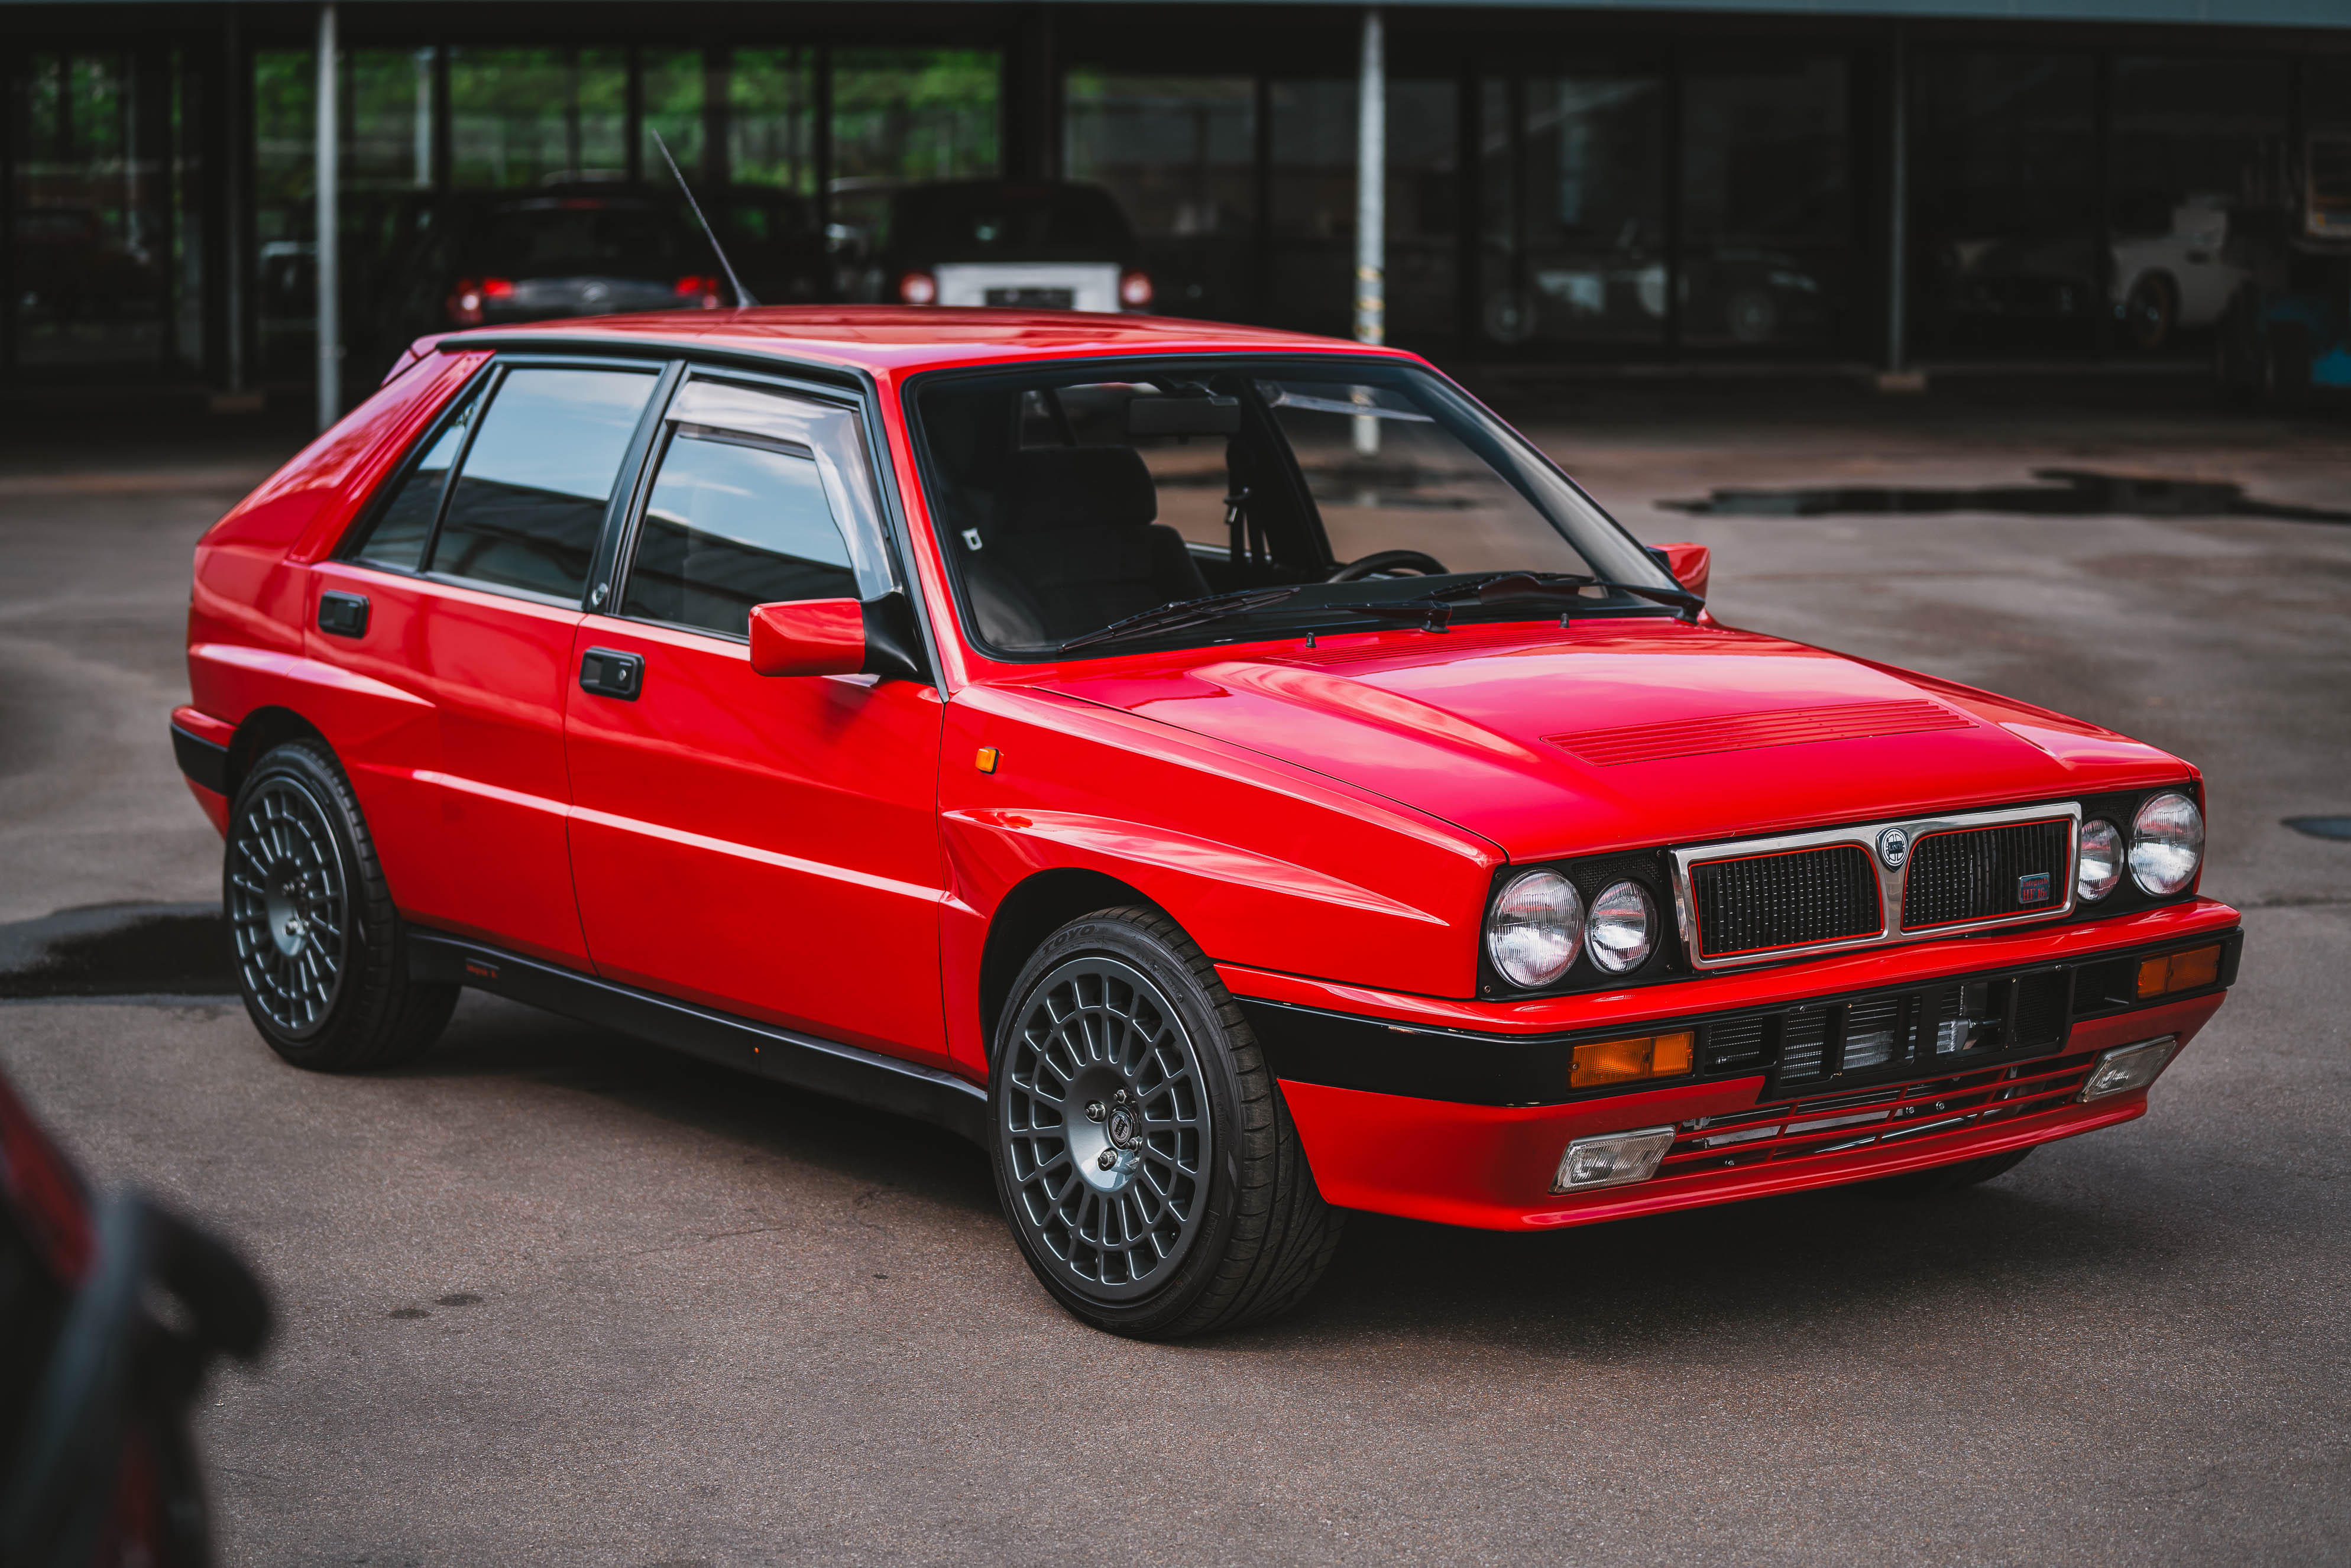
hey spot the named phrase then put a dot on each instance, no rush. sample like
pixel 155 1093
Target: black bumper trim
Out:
pixel 1347 1050
pixel 204 762
pixel 804 1062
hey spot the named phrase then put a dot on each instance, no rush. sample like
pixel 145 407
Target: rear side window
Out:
pixel 403 528
pixel 529 502
pixel 734 521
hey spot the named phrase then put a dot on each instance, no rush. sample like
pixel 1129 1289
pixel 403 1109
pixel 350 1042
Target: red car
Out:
pixel 1229 774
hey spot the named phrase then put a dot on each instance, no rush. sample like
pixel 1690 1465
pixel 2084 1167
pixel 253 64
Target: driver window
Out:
pixel 734 521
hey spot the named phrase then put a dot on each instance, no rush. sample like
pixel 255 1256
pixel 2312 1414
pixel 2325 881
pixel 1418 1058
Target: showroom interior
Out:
pixel 1887 187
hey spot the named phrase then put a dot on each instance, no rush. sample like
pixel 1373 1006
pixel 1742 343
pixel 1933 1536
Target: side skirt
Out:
pixel 804 1062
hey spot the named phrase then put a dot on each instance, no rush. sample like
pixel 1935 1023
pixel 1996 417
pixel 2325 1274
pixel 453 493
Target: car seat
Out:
pixel 1081 542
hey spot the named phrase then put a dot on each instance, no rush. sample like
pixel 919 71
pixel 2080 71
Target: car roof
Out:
pixel 899 339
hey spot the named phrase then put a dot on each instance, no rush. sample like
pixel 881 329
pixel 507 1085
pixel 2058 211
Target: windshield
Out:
pixel 1078 502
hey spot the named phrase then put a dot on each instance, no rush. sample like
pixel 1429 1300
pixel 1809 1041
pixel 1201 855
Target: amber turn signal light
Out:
pixel 988 758
pixel 1628 1060
pixel 2178 972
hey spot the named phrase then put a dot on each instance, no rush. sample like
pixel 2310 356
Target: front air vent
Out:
pixel 1759 902
pixel 1756 731
pixel 1985 873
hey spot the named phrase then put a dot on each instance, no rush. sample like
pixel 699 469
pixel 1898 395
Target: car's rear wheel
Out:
pixel 316 942
pixel 1145 1157
pixel 1941 1179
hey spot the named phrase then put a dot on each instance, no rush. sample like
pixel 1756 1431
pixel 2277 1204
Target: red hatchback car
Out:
pixel 1229 774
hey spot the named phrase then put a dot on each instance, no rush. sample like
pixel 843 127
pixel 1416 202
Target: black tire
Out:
pixel 320 956
pixel 1942 1179
pixel 1239 1232
pixel 2151 313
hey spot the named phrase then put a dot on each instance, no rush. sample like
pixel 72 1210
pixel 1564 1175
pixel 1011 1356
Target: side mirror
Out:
pixel 838 637
pixel 1689 565
pixel 809 637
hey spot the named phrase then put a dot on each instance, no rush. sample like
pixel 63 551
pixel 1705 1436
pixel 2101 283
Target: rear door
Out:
pixel 766 846
pixel 472 573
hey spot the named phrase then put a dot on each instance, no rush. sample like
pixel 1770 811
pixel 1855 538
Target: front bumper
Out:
pixel 1458 1112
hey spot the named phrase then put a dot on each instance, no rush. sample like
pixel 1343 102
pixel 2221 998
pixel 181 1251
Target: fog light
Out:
pixel 1613 1160
pixel 1626 1060
pixel 2126 1067
pixel 2178 972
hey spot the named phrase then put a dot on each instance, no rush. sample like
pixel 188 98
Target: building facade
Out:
pixel 1663 185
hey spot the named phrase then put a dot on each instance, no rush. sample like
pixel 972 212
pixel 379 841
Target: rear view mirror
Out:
pixel 1184 416
pixel 1690 565
pixel 809 637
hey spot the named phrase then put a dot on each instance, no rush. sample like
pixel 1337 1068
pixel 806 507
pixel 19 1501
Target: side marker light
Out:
pixel 1629 1060
pixel 988 758
pixel 2129 1067
pixel 1615 1159
pixel 2178 972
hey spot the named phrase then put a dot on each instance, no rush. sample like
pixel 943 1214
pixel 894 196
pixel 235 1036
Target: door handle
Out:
pixel 344 614
pixel 609 673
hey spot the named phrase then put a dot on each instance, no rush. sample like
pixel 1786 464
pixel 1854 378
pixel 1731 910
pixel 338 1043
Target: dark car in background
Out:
pixel 1043 245
pixel 475 260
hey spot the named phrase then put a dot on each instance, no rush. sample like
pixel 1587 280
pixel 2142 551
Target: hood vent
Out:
pixel 1754 731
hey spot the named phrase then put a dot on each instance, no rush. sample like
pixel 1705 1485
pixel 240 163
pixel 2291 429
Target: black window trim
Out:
pixel 483 386
pixel 852 386
pixel 611 578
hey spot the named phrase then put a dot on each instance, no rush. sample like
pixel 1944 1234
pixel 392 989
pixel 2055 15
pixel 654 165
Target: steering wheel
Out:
pixel 1387 560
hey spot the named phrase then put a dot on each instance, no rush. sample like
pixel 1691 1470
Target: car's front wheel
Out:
pixel 1142 1152
pixel 316 940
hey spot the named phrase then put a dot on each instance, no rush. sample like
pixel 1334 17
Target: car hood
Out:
pixel 1617 734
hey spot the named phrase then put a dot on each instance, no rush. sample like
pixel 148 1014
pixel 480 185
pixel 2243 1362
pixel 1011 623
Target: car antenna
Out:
pixel 742 295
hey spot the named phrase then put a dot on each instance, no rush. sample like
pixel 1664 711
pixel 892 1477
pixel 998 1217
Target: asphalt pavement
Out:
pixel 553 1296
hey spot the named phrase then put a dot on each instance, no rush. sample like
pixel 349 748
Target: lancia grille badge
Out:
pixel 1894 848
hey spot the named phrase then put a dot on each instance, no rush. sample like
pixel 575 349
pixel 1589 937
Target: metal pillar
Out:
pixel 327 174
pixel 1897 375
pixel 237 90
pixel 1371 204
pixel 420 174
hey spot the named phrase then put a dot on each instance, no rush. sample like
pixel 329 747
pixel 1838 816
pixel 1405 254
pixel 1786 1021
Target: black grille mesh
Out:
pixel 1976 874
pixel 1784 900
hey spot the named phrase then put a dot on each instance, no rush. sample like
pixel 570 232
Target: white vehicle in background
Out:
pixel 2170 269
pixel 1031 245
pixel 2181 277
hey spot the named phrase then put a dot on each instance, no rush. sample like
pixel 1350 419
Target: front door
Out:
pixel 765 846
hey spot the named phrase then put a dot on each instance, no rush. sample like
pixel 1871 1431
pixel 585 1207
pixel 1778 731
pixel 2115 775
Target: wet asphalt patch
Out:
pixel 2321 827
pixel 2062 492
pixel 118 950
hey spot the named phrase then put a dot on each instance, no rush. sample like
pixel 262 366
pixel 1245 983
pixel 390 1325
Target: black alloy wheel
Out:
pixel 316 942
pixel 1142 1153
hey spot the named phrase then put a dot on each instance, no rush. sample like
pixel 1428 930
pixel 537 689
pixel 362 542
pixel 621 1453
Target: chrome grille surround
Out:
pixel 1891 882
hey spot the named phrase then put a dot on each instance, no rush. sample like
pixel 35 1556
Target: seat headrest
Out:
pixel 1059 487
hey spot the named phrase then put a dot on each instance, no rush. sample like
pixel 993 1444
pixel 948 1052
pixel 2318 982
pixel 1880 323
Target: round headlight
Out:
pixel 1533 928
pixel 1623 930
pixel 2166 843
pixel 2099 865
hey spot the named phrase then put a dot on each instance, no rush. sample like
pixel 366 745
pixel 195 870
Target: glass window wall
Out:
pixel 92 223
pixel 1179 153
pixel 1768 237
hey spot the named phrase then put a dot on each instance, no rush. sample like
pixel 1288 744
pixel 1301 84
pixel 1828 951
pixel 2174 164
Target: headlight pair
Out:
pixel 2166 847
pixel 1540 921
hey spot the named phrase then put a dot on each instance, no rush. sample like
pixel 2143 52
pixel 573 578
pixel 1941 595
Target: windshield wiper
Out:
pixel 1183 613
pixel 1557 585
